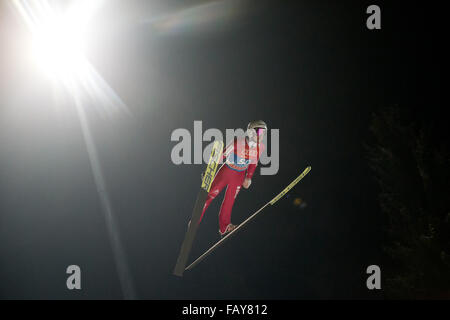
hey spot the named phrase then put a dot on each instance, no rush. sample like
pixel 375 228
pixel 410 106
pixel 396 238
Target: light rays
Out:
pixel 58 47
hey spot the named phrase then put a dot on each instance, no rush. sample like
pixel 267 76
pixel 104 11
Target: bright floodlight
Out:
pixel 58 47
pixel 58 34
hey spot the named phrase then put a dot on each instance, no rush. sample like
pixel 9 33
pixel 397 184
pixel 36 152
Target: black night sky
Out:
pixel 308 68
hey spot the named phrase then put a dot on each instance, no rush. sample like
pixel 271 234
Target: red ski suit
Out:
pixel 240 161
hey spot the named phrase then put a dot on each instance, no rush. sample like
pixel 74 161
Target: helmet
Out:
pixel 253 126
pixel 257 124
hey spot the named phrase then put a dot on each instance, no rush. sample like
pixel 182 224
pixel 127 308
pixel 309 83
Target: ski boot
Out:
pixel 228 229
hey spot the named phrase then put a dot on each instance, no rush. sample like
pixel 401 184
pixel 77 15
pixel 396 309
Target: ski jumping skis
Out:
pixel 207 179
pixel 240 226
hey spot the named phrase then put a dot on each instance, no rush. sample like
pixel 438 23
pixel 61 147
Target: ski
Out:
pixel 207 180
pixel 240 226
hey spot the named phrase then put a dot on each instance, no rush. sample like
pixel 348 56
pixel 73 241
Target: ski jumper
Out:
pixel 240 160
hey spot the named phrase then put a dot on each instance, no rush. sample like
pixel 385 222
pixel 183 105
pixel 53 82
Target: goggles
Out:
pixel 260 131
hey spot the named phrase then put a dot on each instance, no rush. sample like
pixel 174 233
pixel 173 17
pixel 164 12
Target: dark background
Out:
pixel 309 68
